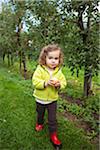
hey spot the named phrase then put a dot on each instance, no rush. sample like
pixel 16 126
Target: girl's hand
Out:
pixel 55 83
pixel 48 83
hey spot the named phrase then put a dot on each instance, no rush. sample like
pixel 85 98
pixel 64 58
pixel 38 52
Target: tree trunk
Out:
pixel 85 36
pixel 20 61
pixel 11 58
pixel 3 57
pixel 24 64
pixel 8 59
pixel 19 44
pixel 87 83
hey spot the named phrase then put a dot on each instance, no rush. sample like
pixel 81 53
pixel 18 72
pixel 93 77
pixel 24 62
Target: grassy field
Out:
pixel 18 117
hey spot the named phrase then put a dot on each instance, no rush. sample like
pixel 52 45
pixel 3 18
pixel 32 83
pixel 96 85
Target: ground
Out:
pixel 80 123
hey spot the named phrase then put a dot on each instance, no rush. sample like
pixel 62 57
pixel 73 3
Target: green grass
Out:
pixel 18 118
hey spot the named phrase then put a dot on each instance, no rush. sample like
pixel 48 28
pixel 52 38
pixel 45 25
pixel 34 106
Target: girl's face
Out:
pixel 52 59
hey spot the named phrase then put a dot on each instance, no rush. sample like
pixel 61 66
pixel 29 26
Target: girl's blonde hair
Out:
pixel 50 48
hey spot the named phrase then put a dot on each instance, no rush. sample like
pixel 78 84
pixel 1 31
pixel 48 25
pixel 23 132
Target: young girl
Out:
pixel 47 80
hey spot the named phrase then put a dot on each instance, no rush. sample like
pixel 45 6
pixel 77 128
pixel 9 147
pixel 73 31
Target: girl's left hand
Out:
pixel 57 84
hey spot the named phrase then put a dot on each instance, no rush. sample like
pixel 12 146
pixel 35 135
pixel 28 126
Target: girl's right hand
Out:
pixel 49 83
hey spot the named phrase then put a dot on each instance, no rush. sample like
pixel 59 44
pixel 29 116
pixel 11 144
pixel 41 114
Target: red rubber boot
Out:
pixel 55 141
pixel 38 127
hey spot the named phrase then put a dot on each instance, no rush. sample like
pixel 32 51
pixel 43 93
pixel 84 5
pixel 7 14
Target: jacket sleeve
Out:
pixel 62 80
pixel 37 81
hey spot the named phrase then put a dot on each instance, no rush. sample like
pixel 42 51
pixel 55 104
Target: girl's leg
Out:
pixel 52 122
pixel 52 108
pixel 40 108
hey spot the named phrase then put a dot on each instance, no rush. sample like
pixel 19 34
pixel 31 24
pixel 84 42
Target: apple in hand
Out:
pixel 55 82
